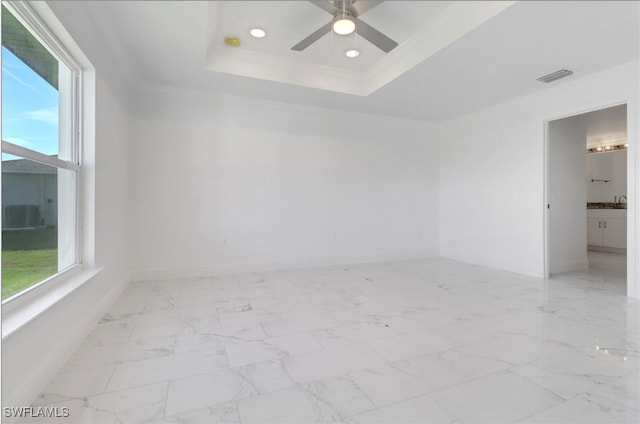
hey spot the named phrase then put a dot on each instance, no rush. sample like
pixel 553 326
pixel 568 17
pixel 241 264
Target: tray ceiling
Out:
pixel 422 28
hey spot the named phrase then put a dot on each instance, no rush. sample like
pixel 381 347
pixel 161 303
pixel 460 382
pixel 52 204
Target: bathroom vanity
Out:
pixel 607 228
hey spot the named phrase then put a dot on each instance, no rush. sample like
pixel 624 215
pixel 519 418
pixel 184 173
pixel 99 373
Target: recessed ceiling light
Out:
pixel 352 53
pixel 257 33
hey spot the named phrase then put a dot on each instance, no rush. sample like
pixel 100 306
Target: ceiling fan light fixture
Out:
pixel 352 53
pixel 257 32
pixel 346 20
pixel 343 24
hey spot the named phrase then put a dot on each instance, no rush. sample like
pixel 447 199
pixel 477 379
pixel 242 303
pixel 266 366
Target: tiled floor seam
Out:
pixel 437 402
pixel 166 398
pixel 113 371
pixel 401 401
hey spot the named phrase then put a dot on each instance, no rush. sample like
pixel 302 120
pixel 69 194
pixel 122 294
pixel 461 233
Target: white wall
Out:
pixel 610 166
pixel 492 171
pixel 32 355
pixel 567 194
pixel 224 184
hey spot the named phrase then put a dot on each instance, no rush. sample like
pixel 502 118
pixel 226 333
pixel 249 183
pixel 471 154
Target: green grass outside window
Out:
pixel 28 256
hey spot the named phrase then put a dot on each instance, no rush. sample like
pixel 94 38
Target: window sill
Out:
pixel 23 309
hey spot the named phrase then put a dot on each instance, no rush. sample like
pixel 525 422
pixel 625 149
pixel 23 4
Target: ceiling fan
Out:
pixel 345 21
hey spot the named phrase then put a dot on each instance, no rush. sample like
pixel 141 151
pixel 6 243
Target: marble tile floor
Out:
pixel 413 341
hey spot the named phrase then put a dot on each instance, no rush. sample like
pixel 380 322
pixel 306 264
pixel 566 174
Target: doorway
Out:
pixel 586 193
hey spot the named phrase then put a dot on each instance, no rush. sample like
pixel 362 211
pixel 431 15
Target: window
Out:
pixel 40 153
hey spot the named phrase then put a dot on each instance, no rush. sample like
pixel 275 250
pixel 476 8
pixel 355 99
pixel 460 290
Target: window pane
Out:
pixel 38 222
pixel 37 93
pixel 29 107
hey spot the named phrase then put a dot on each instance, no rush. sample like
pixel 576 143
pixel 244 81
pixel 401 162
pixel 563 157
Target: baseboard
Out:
pixel 25 391
pixel 607 249
pixel 238 268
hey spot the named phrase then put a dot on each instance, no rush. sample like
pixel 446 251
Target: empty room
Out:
pixel 320 211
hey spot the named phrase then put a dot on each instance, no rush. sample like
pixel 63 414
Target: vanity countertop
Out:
pixel 606 205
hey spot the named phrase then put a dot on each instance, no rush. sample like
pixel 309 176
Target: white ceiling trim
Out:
pixel 289 71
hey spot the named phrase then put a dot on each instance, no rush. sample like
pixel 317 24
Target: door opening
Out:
pixel 586 194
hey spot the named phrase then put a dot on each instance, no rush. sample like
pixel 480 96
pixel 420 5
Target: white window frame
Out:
pixel 24 13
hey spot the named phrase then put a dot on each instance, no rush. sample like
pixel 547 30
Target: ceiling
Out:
pixel 453 57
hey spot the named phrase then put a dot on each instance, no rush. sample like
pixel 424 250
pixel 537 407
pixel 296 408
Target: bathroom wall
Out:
pixel 608 166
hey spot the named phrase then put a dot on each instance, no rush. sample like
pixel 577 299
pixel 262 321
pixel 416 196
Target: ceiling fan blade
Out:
pixel 326 6
pixel 374 36
pixel 325 29
pixel 363 6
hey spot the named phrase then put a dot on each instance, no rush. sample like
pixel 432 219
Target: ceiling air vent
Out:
pixel 555 76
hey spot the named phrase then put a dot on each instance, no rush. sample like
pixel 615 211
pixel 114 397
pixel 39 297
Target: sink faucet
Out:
pixel 620 199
